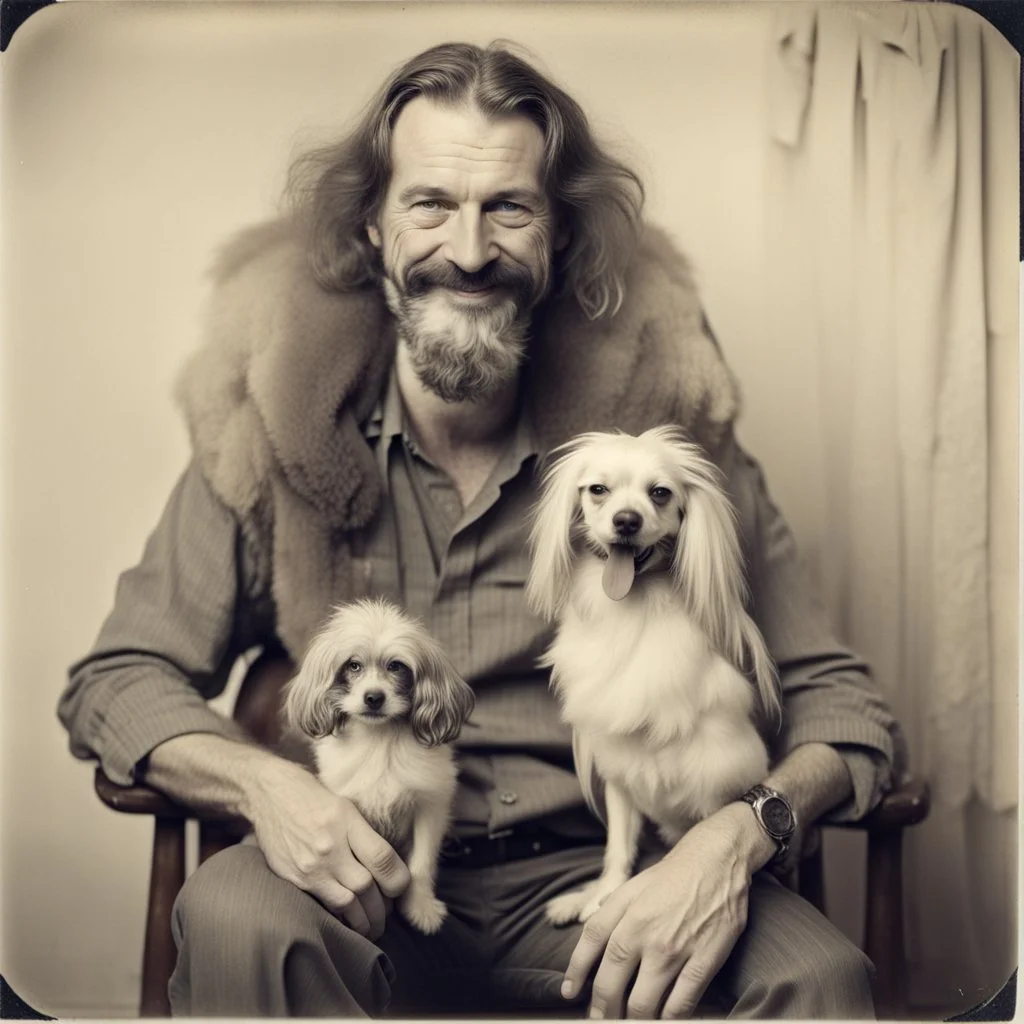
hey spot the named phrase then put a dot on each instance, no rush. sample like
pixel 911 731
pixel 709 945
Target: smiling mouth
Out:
pixel 472 294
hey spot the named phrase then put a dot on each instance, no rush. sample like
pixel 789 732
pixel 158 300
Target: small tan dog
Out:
pixel 382 703
pixel 636 557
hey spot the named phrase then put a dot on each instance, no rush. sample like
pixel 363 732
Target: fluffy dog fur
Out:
pixel 635 555
pixel 381 702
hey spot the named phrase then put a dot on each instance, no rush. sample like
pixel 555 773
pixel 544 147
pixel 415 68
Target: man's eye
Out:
pixel 509 213
pixel 597 489
pixel 429 205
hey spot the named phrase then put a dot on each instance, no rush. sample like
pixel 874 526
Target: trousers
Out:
pixel 251 944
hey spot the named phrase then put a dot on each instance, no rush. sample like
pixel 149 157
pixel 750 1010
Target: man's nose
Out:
pixel 469 244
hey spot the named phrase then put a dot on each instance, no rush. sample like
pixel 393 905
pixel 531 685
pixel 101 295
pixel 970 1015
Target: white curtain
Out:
pixel 892 269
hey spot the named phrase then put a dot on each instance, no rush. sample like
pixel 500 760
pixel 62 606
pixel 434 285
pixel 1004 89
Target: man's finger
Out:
pixel 690 986
pixel 344 905
pixel 361 882
pixel 591 943
pixel 589 948
pixel 620 961
pixel 379 858
pixel 654 979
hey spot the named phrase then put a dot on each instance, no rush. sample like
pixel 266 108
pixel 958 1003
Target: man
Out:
pixel 465 283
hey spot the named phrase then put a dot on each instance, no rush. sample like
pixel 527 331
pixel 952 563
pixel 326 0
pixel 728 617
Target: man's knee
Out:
pixel 827 979
pixel 793 962
pixel 851 992
pixel 245 934
pixel 236 899
pixel 838 982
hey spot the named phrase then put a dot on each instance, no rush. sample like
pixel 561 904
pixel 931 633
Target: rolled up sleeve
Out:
pixel 828 694
pixel 168 643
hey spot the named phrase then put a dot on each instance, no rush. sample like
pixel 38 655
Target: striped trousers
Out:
pixel 251 944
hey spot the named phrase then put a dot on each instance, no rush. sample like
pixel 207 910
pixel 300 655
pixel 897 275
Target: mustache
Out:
pixel 423 277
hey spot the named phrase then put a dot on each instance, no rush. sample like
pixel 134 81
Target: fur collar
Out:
pixel 275 396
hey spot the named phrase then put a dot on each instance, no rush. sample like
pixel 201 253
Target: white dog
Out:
pixel 636 557
pixel 381 702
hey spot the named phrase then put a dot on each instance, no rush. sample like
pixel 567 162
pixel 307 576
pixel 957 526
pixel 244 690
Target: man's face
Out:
pixel 465 234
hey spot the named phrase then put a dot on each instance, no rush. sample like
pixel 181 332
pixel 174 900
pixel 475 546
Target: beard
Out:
pixel 464 352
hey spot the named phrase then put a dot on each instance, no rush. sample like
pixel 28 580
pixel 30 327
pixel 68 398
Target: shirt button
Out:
pixel 508 797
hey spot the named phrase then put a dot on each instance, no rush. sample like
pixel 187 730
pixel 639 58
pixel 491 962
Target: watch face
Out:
pixel 777 816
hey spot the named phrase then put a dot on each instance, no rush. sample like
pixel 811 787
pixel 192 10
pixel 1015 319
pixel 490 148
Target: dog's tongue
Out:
pixel 618 572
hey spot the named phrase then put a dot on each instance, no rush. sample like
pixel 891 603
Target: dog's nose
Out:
pixel 627 522
pixel 374 699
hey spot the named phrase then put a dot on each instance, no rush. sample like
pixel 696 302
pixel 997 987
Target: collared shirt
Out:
pixel 461 572
pixel 194 604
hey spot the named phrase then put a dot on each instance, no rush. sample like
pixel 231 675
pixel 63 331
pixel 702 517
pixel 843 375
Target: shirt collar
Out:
pixel 388 416
pixel 524 444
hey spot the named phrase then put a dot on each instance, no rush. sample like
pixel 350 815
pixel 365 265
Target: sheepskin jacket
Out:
pixel 288 372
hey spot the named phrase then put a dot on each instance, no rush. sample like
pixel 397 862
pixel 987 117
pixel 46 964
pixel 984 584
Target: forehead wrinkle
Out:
pixel 431 150
pixel 495 174
pixel 428 127
pixel 458 164
pixel 517 161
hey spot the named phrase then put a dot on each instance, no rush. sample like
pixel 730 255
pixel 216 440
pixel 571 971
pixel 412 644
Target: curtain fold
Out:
pixel 891 256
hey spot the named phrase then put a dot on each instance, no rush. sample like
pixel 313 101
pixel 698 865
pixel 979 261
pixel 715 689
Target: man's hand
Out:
pixel 309 836
pixel 673 925
pixel 676 923
pixel 321 843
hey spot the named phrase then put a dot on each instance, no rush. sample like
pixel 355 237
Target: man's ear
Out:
pixel 563 236
pixel 373 233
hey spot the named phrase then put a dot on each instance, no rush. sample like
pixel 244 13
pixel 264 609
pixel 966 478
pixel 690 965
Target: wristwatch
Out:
pixel 775 815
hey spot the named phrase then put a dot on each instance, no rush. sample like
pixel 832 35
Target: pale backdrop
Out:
pixel 135 138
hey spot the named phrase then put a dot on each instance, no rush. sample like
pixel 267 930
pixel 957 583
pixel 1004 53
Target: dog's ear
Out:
pixel 552 519
pixel 708 569
pixel 706 561
pixel 763 668
pixel 307 706
pixel 442 701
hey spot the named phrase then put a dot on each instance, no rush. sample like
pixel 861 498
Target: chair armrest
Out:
pixel 141 799
pixel 137 799
pixel 906 804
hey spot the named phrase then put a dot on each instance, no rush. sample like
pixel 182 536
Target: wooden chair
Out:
pixel 256 710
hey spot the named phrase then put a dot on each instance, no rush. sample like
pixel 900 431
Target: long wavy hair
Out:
pixel 337 190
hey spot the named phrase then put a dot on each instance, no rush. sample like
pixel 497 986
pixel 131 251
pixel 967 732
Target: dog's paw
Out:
pixel 591 907
pixel 598 893
pixel 422 909
pixel 566 908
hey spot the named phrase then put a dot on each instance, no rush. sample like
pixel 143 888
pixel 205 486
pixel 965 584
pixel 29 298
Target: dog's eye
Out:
pixel 597 489
pixel 353 666
pixel 395 667
pixel 660 494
